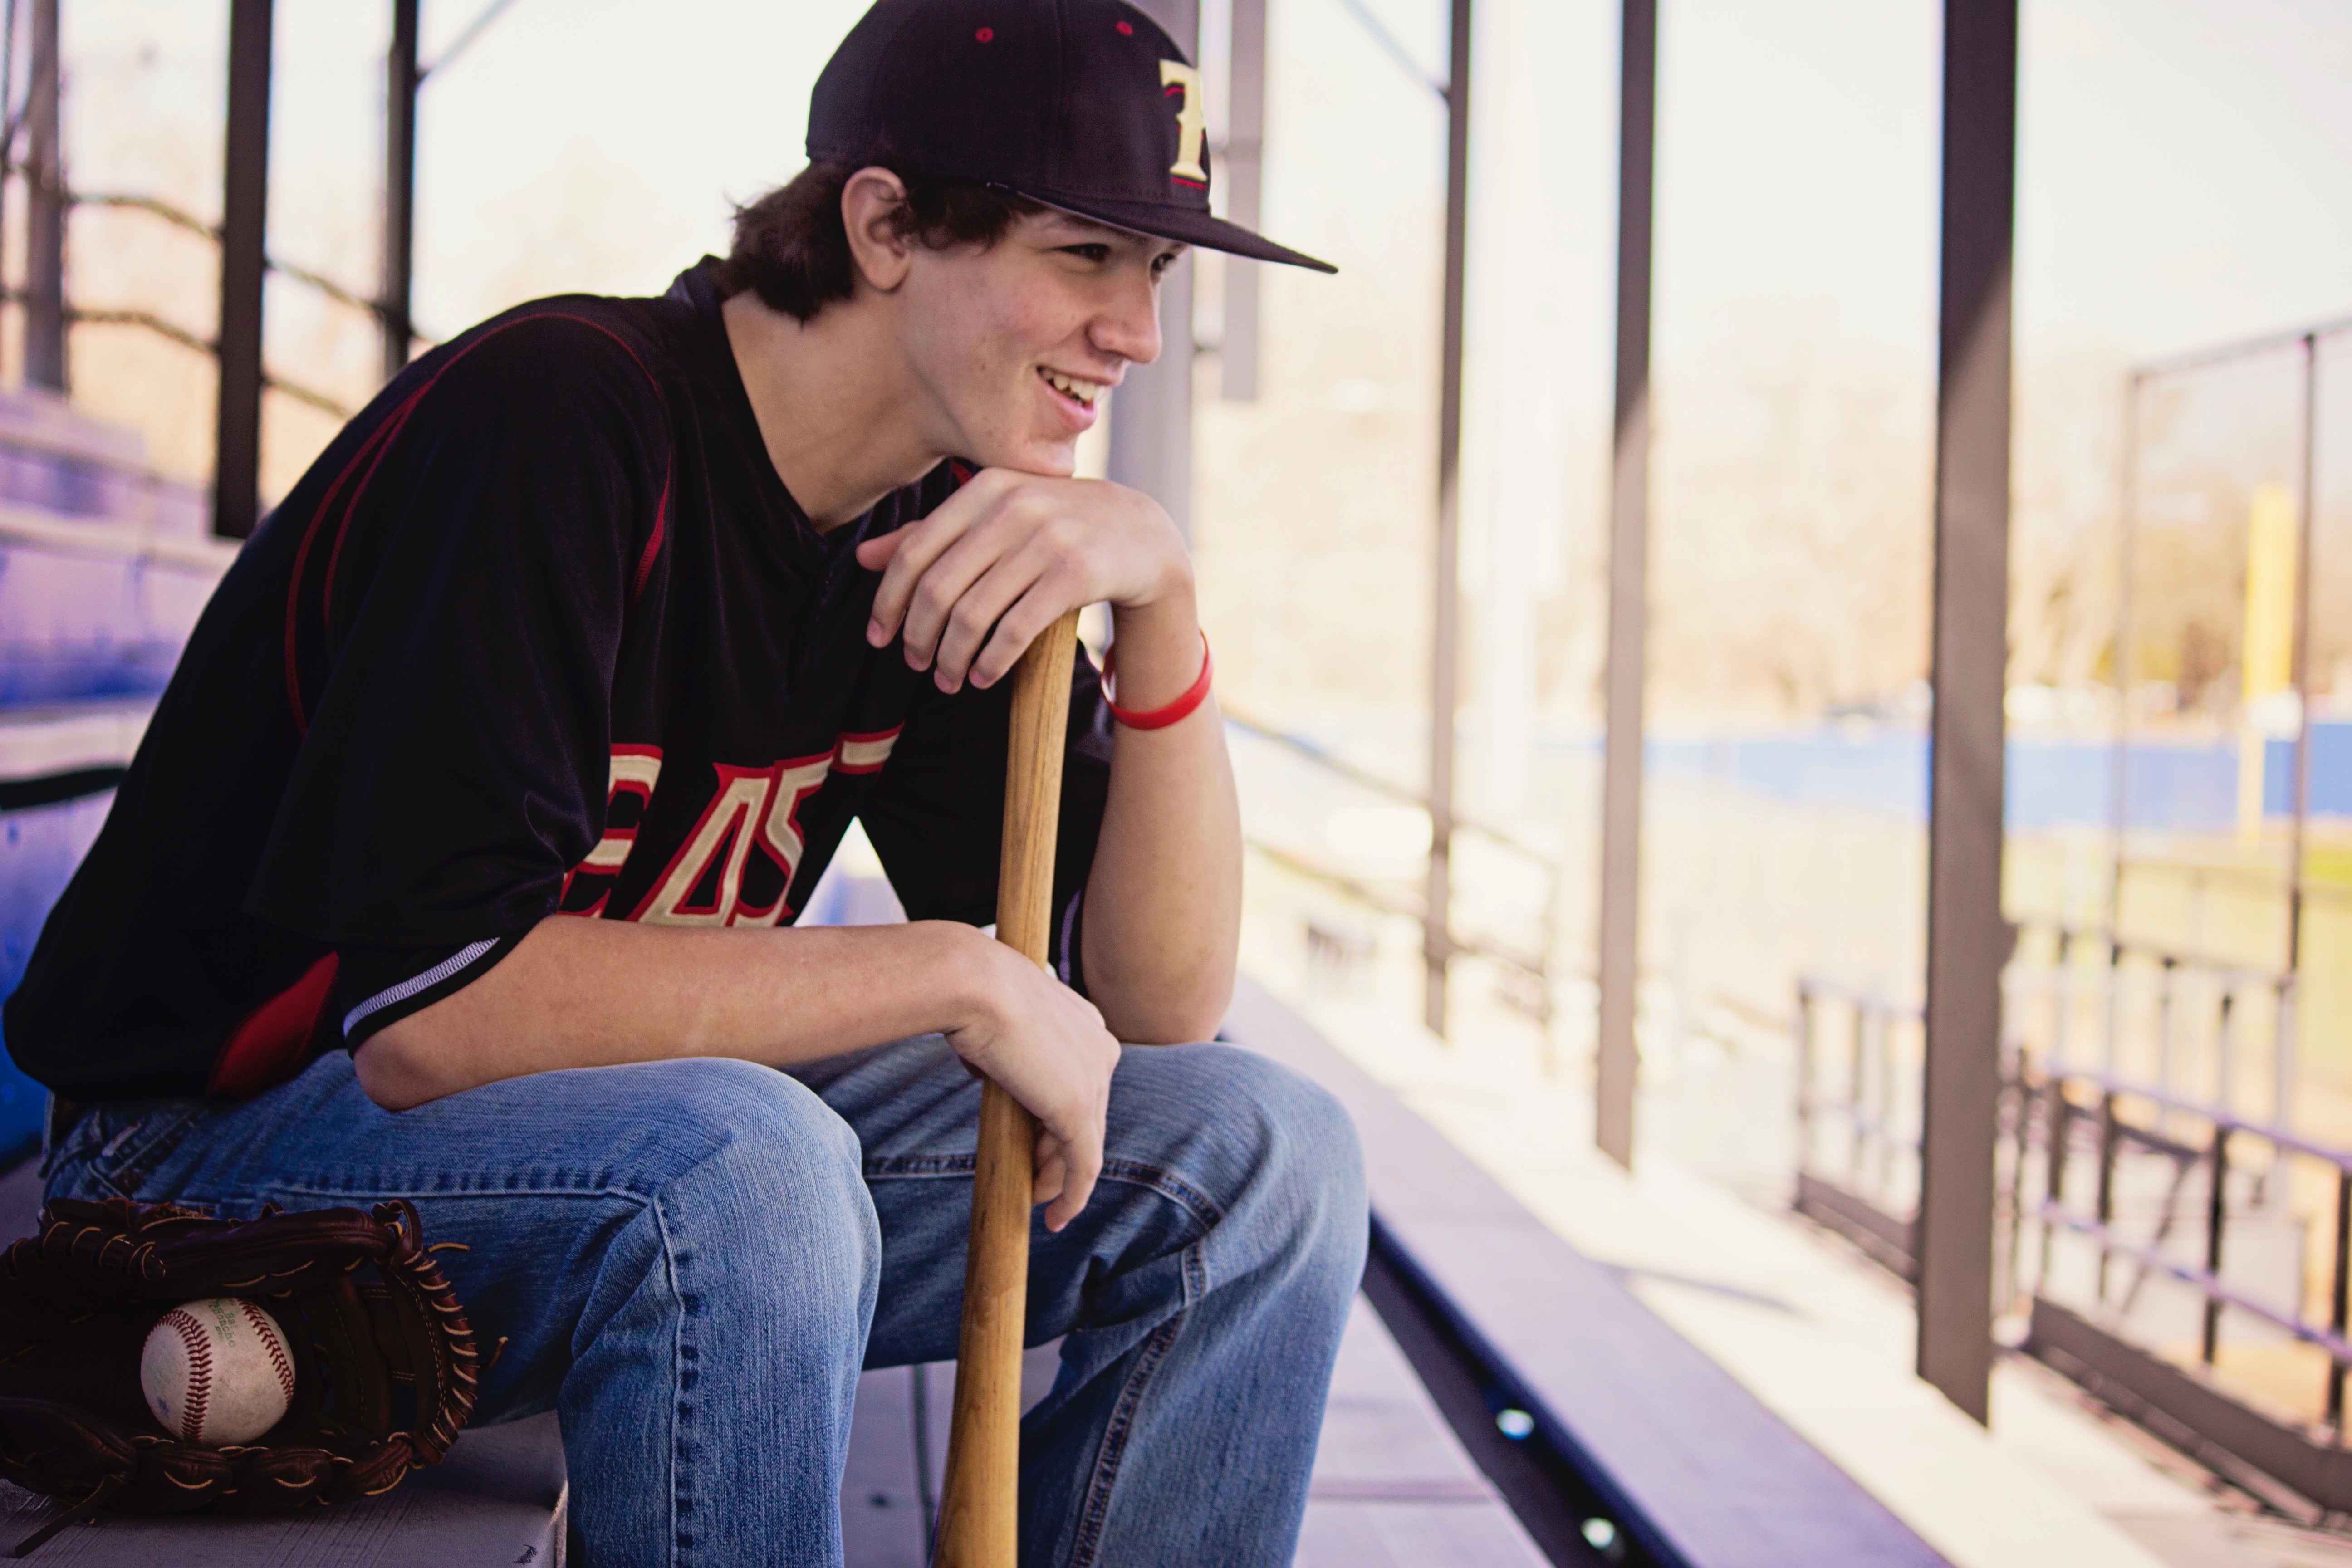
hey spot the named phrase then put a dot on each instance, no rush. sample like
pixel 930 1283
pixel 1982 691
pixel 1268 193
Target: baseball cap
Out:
pixel 1085 105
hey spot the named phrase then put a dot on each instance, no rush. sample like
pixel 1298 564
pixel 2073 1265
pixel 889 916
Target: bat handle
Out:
pixel 979 1507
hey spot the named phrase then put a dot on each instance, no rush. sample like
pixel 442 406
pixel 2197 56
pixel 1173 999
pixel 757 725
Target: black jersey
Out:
pixel 541 631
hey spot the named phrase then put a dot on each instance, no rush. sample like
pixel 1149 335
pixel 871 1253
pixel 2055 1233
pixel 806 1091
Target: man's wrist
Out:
pixel 966 968
pixel 1160 651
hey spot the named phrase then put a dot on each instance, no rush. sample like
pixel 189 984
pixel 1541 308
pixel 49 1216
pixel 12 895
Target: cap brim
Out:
pixel 1204 229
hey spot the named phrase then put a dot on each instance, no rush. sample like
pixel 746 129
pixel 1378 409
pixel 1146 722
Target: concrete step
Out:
pixel 96 607
pixel 56 459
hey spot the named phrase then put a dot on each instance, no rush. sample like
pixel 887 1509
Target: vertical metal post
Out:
pixel 926 1499
pixel 1967 941
pixel 2062 1000
pixel 2104 1207
pixel 2019 1102
pixel 1883 1047
pixel 2119 782
pixel 1242 173
pixel 399 187
pixel 1618 1059
pixel 1857 1090
pixel 237 463
pixel 2167 1046
pixel 2285 993
pixel 45 192
pixel 2107 1056
pixel 2291 995
pixel 2216 1219
pixel 2060 1132
pixel 1152 412
pixel 2340 1298
pixel 1445 629
pixel 1804 1077
pixel 7 100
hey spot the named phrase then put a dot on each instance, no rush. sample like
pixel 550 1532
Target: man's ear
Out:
pixel 881 254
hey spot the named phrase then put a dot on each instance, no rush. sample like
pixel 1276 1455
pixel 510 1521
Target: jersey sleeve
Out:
pixel 937 818
pixel 452 637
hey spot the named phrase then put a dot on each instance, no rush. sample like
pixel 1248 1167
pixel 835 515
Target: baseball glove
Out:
pixel 384 1364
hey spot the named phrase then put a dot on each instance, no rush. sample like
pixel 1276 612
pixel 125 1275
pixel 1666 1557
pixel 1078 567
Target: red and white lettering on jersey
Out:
pixel 854 754
pixel 788 784
pixel 720 837
pixel 636 771
pixel 752 809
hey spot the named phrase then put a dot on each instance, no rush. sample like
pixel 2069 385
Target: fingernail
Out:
pixel 874 634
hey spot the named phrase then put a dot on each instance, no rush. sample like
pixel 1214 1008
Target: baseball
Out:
pixel 216 1371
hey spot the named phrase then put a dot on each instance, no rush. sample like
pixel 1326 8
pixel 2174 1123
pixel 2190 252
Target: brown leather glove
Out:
pixel 385 1367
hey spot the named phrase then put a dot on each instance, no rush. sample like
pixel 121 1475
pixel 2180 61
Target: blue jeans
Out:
pixel 691 1261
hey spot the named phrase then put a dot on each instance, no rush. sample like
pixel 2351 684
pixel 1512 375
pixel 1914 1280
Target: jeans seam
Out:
pixel 680 1546
pixel 388 1187
pixel 1130 1172
pixel 1097 1506
pixel 126 1176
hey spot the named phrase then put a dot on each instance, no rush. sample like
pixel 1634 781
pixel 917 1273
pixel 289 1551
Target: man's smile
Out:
pixel 1077 389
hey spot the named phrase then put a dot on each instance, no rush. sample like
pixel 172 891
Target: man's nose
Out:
pixel 1130 326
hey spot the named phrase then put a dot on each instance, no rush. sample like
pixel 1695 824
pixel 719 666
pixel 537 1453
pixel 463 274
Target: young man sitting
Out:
pixel 458 861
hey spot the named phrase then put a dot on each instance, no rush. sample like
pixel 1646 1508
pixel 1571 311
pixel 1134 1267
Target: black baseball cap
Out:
pixel 1085 105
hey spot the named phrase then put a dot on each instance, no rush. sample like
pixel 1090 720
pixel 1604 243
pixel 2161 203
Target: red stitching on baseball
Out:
pixel 277 1362
pixel 200 1372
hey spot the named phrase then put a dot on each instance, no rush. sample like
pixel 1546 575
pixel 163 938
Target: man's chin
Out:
pixel 1046 459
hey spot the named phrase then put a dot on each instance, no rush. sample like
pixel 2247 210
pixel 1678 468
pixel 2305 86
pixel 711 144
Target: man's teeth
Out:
pixel 1084 391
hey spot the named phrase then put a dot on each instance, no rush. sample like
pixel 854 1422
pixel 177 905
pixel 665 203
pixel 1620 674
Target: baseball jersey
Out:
pixel 541 631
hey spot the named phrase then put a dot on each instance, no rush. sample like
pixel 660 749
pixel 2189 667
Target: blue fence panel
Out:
pixel 1878 771
pixel 2331 772
pixel 2175 786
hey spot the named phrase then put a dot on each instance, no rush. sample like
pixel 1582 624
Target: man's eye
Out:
pixel 1094 253
pixel 1160 264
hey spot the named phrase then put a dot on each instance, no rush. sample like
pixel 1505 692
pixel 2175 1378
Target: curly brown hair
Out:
pixel 792 249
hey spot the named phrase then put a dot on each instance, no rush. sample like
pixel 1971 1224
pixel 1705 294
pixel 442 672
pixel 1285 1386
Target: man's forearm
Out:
pixel 1163 901
pixel 591 993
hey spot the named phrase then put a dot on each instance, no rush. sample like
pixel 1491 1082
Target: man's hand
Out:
pixel 1045 1045
pixel 1012 552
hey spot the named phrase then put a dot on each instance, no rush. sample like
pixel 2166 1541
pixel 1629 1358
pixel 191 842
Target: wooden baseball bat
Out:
pixel 979 1506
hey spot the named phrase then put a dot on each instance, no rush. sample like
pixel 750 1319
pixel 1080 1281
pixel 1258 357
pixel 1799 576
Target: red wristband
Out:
pixel 1160 718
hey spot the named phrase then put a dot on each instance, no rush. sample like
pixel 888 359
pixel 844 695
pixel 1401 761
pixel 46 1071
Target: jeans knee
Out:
pixel 748 1159
pixel 1286 1152
pixel 1316 1161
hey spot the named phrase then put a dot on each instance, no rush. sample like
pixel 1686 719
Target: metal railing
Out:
pixel 2108 1181
pixel 2059 1102
pixel 1873 1197
pixel 1537 968
pixel 2199 1006
pixel 149 321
